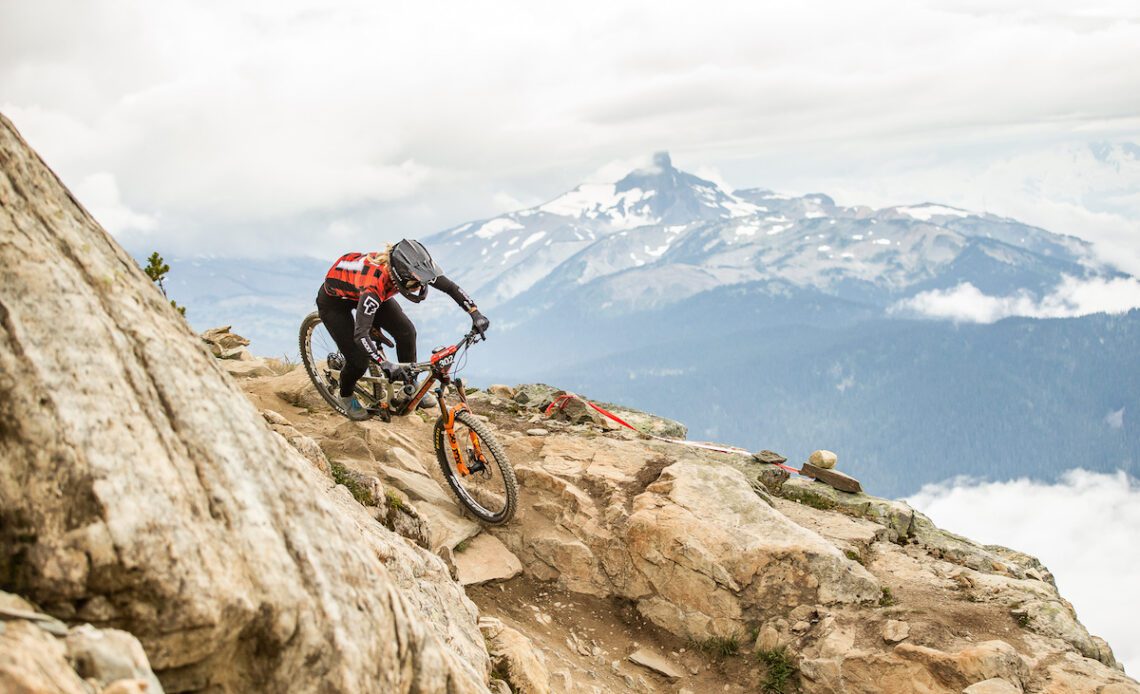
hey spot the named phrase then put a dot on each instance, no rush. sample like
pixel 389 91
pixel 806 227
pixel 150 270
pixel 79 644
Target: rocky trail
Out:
pixel 706 562
pixel 178 515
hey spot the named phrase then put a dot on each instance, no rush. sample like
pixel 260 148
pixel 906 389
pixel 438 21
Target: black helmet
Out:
pixel 412 269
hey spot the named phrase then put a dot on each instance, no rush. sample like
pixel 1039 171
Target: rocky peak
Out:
pixel 660 175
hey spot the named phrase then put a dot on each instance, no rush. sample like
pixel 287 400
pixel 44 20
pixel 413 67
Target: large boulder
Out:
pixel 718 558
pixel 224 343
pixel 141 490
pixel 693 544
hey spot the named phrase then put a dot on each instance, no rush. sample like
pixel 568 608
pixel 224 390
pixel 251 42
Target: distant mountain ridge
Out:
pixel 660 236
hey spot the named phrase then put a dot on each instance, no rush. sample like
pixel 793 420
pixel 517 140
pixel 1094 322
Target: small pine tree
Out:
pixel 156 270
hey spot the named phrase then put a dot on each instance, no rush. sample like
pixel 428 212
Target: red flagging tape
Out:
pixel 561 401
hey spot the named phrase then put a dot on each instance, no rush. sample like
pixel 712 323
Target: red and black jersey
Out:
pixel 354 278
pixel 353 275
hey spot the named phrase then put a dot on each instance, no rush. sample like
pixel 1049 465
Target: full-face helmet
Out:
pixel 412 269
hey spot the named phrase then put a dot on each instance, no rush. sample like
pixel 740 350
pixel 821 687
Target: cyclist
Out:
pixel 368 283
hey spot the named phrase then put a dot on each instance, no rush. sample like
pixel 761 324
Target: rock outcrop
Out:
pixel 862 594
pixel 140 489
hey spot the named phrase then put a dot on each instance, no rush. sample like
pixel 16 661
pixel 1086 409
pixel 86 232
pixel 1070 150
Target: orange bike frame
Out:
pixel 439 366
pixel 449 423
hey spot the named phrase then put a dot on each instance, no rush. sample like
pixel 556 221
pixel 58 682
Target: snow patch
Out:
pixel 536 236
pixel 739 208
pixel 601 200
pixel 497 226
pixel 925 212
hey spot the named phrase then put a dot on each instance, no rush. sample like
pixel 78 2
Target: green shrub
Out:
pixel 341 475
pixel 719 646
pixel 779 669
pixel 394 501
pixel 156 270
pixel 887 598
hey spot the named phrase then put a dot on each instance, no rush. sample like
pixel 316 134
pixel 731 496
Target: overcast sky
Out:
pixel 306 127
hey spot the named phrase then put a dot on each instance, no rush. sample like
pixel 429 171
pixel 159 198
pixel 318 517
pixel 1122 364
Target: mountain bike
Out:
pixel 472 460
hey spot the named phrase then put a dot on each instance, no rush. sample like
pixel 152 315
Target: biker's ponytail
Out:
pixel 379 258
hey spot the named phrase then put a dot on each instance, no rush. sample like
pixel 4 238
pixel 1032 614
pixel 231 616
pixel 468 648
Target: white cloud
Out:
pixel 965 303
pixel 222 116
pixel 99 193
pixel 712 173
pixel 1083 528
pixel 1115 418
pixel 505 202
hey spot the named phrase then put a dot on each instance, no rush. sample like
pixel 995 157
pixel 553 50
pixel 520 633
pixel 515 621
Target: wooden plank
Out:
pixel 832 478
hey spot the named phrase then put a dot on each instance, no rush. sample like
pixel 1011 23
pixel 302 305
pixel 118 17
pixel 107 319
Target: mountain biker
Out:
pixel 368 283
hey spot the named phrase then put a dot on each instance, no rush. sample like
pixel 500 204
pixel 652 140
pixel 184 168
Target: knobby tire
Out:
pixel 497 459
pixel 304 341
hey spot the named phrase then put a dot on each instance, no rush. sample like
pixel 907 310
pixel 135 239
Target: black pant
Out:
pixel 337 316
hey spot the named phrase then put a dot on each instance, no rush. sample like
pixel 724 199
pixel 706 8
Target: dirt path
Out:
pixel 586 641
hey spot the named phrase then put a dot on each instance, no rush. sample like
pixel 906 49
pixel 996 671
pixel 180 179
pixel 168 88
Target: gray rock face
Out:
pixel 108 656
pixel 40 654
pixel 141 489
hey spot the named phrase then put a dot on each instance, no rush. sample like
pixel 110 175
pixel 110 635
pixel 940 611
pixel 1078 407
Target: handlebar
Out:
pixel 472 337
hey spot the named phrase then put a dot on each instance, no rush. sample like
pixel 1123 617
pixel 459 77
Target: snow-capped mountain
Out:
pixel 660 236
pixel 508 254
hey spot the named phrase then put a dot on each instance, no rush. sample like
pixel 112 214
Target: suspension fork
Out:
pixel 475 444
pixel 453 440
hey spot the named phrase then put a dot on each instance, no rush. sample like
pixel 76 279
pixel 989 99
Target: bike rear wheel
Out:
pixel 490 494
pixel 317 347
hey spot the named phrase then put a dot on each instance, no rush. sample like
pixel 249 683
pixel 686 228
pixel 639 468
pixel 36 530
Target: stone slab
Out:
pixel 832 478
pixel 486 559
pixel 657 663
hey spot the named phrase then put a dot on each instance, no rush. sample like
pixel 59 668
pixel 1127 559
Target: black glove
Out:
pixel 396 372
pixel 480 322
pixel 379 337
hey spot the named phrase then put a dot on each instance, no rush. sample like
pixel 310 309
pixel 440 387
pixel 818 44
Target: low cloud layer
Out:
pixel 1083 528
pixel 965 303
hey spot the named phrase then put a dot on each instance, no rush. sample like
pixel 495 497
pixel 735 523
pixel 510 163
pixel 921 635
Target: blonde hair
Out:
pixel 380 257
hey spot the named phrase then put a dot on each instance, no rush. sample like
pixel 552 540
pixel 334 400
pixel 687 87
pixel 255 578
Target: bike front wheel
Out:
pixel 489 493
